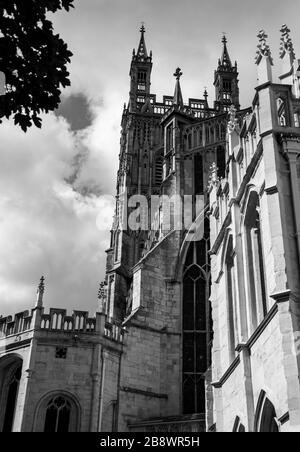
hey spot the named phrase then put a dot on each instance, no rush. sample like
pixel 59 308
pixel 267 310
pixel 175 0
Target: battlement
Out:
pixel 58 320
pixel 195 107
pixel 14 325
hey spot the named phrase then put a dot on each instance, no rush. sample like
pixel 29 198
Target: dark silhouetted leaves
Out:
pixel 33 59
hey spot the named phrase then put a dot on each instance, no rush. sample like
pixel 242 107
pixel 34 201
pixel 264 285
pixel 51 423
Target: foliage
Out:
pixel 33 59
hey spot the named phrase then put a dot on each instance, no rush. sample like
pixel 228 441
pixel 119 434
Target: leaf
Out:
pixel 33 58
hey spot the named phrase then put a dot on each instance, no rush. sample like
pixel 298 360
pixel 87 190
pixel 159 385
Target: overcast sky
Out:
pixel 52 181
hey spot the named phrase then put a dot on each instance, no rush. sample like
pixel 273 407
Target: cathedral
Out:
pixel 198 320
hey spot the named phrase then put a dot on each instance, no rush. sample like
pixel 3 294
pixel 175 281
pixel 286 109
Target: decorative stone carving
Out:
pixel 213 176
pixel 233 121
pixel 263 48
pixel 102 297
pixel 286 43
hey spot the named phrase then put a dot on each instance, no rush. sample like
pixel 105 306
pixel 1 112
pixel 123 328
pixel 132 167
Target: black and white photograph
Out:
pixel 149 219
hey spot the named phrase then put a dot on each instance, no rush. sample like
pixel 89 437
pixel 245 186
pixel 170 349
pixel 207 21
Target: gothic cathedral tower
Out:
pixel 158 271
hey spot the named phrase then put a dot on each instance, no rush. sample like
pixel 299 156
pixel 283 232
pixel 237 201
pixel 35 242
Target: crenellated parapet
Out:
pixel 58 320
pixel 16 324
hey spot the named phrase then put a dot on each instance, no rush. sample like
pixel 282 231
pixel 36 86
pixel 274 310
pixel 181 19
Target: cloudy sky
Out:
pixel 54 182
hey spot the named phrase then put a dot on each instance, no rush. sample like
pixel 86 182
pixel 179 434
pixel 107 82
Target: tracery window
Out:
pixel 58 415
pixel 197 327
pixel 58 412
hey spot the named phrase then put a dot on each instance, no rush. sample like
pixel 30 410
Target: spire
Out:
pixel 40 292
pixel 225 58
pixel 140 74
pixel 226 81
pixel 205 95
pixel 178 99
pixel 142 50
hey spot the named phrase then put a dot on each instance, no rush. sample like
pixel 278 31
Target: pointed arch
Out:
pixel 238 427
pixel 10 377
pixel 265 416
pixel 57 411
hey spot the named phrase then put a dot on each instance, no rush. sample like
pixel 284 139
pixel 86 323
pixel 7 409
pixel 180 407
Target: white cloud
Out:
pixel 47 227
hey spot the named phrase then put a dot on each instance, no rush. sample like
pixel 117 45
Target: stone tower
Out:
pixel 158 269
pixel 226 82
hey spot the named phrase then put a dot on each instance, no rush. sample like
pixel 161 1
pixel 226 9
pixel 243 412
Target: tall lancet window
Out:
pixel 255 263
pixel 231 300
pixel 197 328
pixel 12 394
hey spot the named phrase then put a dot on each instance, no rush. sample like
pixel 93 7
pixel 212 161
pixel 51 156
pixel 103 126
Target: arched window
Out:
pixel 13 388
pixel 197 328
pixel 10 377
pixel 266 418
pixel 255 263
pixel 57 413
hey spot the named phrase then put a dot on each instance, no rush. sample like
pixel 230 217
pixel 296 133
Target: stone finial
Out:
pixel 40 292
pixel 142 50
pixel 205 94
pixel 263 49
pixel 233 121
pixel 143 29
pixel 178 99
pixel 286 43
pixel 213 179
pixel 102 297
pixel 41 287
